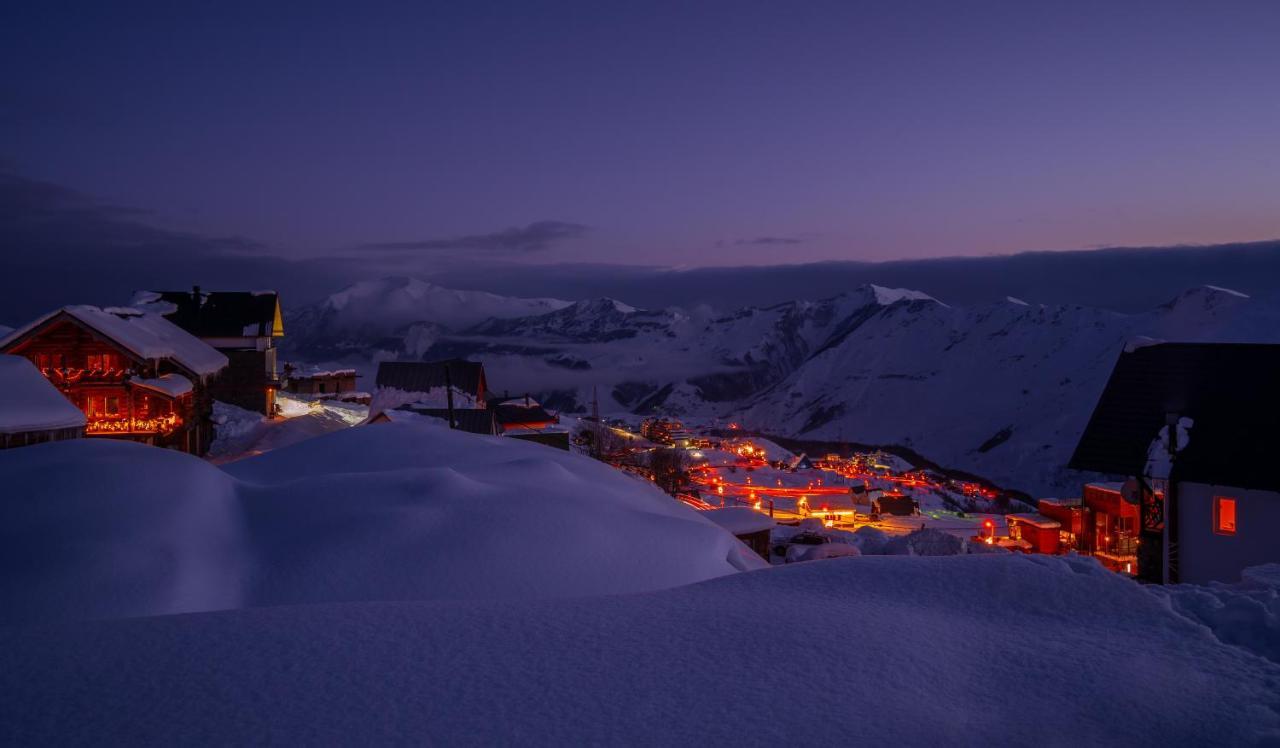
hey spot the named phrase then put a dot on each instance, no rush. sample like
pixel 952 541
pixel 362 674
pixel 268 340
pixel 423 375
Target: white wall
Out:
pixel 1207 556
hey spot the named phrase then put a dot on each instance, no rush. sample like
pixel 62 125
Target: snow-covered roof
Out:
pixel 145 334
pixel 1061 503
pixel 173 385
pixel 740 520
pixel 29 402
pixel 1036 520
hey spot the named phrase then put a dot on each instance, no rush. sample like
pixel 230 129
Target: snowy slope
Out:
pixel 970 650
pixel 1002 390
pixel 97 528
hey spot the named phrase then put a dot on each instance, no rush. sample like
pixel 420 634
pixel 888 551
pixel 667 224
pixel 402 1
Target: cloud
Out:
pixel 1123 279
pixel 536 237
pixel 762 241
pixel 59 246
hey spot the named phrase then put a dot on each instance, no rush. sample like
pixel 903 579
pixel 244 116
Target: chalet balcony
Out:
pixel 160 425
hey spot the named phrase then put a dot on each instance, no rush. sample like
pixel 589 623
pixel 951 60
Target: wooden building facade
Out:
pixel 133 375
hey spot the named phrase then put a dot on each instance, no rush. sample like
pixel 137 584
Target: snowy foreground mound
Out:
pixel 97 529
pixel 969 650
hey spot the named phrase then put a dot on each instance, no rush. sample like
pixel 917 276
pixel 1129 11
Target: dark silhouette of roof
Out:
pixel 515 411
pixel 1230 391
pixel 473 420
pixel 223 314
pixel 422 376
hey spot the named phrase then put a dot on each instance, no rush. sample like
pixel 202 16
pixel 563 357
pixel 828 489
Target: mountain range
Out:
pixel 1001 390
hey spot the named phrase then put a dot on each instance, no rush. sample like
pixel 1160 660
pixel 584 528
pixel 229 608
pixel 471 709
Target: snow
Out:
pixel 145 334
pixel 1140 341
pixel 29 402
pixel 1245 614
pixel 1228 291
pixel 242 433
pixel 1160 453
pixel 910 651
pixel 94 528
pixel 1036 520
pixel 388 398
pixel 173 385
pixel 740 520
pixel 887 296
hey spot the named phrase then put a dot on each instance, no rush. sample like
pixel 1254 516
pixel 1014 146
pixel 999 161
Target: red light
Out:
pixel 989 523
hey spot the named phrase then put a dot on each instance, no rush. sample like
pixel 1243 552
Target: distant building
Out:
pixel 896 504
pixel 32 410
pixel 431 384
pixel 243 325
pixel 333 382
pixel 1193 428
pixel 1033 533
pixel 471 420
pixel 134 375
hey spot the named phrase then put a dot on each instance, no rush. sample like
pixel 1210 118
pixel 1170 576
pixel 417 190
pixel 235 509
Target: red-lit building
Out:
pixel 1033 533
pixel 1192 428
pixel 134 375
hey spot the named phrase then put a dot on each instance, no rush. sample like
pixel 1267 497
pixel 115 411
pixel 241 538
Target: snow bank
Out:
pixel 740 520
pixel 970 651
pixel 28 402
pixel 1245 614
pixel 96 528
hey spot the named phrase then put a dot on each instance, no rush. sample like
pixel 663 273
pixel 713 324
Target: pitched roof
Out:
pixel 146 335
pixel 218 314
pixel 423 376
pixel 473 420
pixel 29 402
pixel 1228 390
pixel 514 411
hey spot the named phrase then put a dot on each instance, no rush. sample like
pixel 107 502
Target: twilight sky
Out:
pixel 686 134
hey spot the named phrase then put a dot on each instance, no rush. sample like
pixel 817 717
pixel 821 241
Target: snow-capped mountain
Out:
pixel 1002 390
pixel 367 313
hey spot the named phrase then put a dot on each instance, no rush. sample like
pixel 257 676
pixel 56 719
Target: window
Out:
pixel 1224 515
pixel 113 405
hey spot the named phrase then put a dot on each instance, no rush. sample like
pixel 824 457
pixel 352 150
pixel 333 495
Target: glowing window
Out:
pixel 1224 515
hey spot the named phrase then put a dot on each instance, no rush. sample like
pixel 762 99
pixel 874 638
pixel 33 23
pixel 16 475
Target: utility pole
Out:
pixel 597 431
pixel 448 393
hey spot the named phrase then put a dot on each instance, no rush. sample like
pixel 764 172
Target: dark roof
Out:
pixel 474 420
pixel 1228 390
pixel 223 314
pixel 422 376
pixel 515 411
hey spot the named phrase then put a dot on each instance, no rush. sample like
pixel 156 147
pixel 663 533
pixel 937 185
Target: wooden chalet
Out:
pixel 432 381
pixel 243 325
pixel 134 375
pixel 525 418
pixel 329 383
pixel 32 410
pixel 1192 428
pixel 471 420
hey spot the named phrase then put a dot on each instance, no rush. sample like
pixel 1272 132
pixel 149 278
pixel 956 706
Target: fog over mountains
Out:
pixel 1000 389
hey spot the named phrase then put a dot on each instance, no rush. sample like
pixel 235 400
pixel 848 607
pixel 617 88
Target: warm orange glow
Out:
pixel 159 425
pixel 1224 515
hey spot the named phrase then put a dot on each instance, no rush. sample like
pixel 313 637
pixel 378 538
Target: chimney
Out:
pixel 195 294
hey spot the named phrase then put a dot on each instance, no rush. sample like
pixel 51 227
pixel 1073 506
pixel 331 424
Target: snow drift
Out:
pixel 969 650
pixel 96 528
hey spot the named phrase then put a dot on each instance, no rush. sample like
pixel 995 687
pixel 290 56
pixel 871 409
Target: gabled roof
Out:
pixel 29 402
pixel 146 335
pixel 473 420
pixel 423 376
pixel 218 314
pixel 1230 391
pixel 515 411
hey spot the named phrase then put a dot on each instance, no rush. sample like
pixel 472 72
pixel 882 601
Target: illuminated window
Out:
pixel 1224 515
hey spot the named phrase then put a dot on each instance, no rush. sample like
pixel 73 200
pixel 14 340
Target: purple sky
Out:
pixel 679 134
